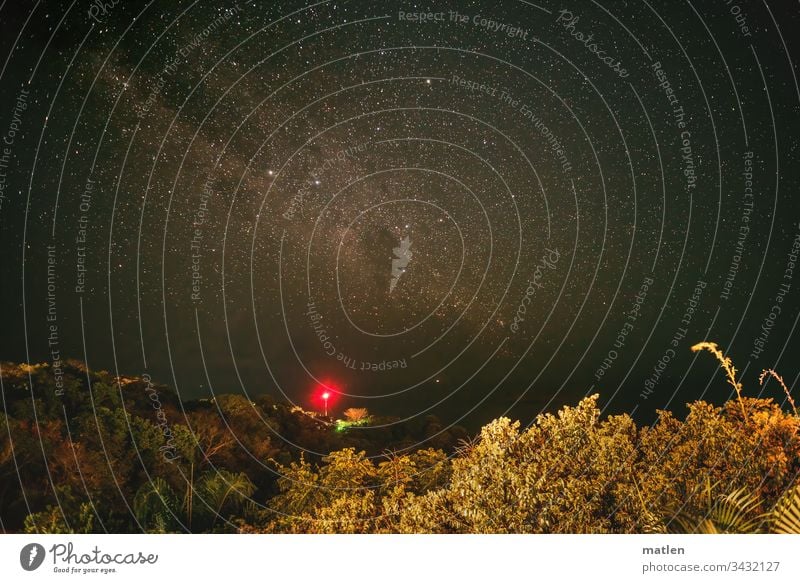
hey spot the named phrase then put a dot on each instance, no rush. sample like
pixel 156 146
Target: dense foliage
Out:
pixel 107 454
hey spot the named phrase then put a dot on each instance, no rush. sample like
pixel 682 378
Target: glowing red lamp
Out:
pixel 325 396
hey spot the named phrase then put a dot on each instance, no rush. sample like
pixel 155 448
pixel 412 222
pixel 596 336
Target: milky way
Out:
pixel 467 209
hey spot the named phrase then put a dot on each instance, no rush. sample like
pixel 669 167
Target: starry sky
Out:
pixel 467 209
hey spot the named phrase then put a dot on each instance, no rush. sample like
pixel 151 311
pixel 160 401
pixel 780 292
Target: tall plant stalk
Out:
pixel 727 365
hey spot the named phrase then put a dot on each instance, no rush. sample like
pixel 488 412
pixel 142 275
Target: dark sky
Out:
pixel 489 212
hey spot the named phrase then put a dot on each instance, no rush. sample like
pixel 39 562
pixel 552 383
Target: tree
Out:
pixel 356 414
pixel 157 508
pixel 209 503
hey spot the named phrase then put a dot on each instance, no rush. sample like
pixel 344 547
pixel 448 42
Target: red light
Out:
pixel 325 394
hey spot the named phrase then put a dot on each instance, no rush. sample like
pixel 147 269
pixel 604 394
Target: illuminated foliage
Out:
pixel 104 466
pixel 567 473
pixel 351 493
pixel 716 444
pixel 356 414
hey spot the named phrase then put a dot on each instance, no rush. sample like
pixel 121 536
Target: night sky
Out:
pixel 493 208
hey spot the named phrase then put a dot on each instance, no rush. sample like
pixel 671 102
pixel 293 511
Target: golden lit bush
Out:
pixel 567 473
pixel 761 454
pixel 350 493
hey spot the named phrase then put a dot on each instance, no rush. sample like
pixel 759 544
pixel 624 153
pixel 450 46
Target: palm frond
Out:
pixel 785 518
pixel 736 512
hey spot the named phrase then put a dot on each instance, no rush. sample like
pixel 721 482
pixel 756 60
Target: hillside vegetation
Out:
pixel 107 454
